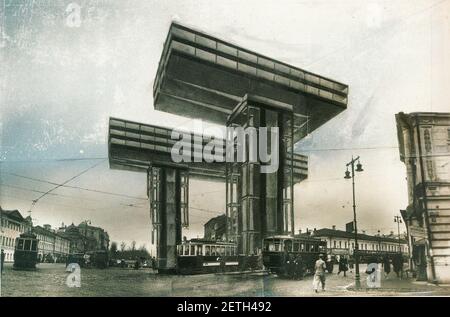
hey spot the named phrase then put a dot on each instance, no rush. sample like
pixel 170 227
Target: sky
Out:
pixel 62 77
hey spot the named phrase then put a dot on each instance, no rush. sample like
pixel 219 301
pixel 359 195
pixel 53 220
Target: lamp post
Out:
pixel 398 220
pixel 351 175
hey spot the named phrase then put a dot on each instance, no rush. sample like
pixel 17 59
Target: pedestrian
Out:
pixel 386 266
pixel 298 274
pixel 2 260
pixel 351 262
pixel 343 265
pixel 397 263
pixel 319 275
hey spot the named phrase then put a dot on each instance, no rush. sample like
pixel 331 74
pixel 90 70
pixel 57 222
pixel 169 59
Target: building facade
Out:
pixel 85 238
pixel 424 145
pixel 12 224
pixel 52 246
pixel 341 242
pixel 216 228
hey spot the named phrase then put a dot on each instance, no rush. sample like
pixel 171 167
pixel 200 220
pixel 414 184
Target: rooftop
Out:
pixel 326 232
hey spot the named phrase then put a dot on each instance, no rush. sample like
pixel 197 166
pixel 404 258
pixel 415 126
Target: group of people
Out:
pixel 397 265
pixel 294 267
pixel 321 266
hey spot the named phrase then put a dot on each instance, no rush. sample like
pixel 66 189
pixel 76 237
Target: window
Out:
pixel 27 244
pixel 340 244
pixel 20 244
pixel 192 249
pixel 296 247
pixel 213 250
pixel 288 245
pixel 199 250
pixel 334 244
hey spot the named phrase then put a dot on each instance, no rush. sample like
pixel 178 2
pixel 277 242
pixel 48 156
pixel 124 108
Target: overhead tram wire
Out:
pixel 74 159
pixel 76 187
pixel 59 185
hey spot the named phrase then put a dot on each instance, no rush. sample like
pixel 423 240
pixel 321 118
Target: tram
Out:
pixel 198 256
pixel 280 253
pixel 26 252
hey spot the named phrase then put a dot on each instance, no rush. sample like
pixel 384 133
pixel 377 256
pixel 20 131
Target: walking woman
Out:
pixel 343 265
pixel 386 266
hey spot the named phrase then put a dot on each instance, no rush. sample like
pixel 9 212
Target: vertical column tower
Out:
pixel 260 203
pixel 167 192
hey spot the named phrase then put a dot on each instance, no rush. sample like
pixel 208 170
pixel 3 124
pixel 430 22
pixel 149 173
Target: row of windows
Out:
pixel 277 245
pixel 207 250
pixel 12 225
pixel 9 256
pixel 9 242
pixel 26 244
pixel 370 246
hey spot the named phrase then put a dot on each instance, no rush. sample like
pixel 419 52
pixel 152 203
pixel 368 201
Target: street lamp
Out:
pixel 398 220
pixel 351 175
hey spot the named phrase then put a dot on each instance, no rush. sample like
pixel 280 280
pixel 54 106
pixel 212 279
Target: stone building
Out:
pixel 12 224
pixel 341 242
pixel 424 144
pixel 215 228
pixel 52 246
pixel 84 237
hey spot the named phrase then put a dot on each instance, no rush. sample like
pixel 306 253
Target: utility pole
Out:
pixel 351 175
pixel 398 220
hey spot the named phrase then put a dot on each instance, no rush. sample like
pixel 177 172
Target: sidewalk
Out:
pixel 402 287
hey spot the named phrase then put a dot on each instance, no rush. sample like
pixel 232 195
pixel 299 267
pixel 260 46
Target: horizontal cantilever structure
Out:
pixel 135 146
pixel 204 77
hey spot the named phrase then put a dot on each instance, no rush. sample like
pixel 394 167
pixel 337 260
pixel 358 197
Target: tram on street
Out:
pixel 198 256
pixel 26 252
pixel 287 256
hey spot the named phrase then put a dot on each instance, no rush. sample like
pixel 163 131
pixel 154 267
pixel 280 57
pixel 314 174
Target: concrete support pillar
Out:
pixel 165 206
pixel 264 208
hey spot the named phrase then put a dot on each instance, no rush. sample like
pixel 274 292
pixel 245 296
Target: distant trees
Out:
pixel 113 248
pixel 132 253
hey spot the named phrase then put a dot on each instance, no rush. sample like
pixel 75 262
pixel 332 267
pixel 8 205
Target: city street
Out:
pixel 49 280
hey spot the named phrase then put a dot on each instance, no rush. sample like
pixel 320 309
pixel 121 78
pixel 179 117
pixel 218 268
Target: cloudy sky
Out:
pixel 61 79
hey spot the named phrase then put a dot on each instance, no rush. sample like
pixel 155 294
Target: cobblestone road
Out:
pixel 49 280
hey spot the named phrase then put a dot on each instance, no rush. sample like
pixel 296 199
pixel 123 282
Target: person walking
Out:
pixel 343 265
pixel 397 263
pixel 298 267
pixel 2 260
pixel 386 266
pixel 319 275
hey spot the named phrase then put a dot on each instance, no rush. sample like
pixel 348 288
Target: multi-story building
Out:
pixel 424 144
pixel 215 228
pixel 52 246
pixel 12 224
pixel 84 237
pixel 99 235
pixel 341 242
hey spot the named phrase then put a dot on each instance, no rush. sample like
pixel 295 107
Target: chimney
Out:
pixel 299 231
pixel 364 231
pixel 392 233
pixel 334 227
